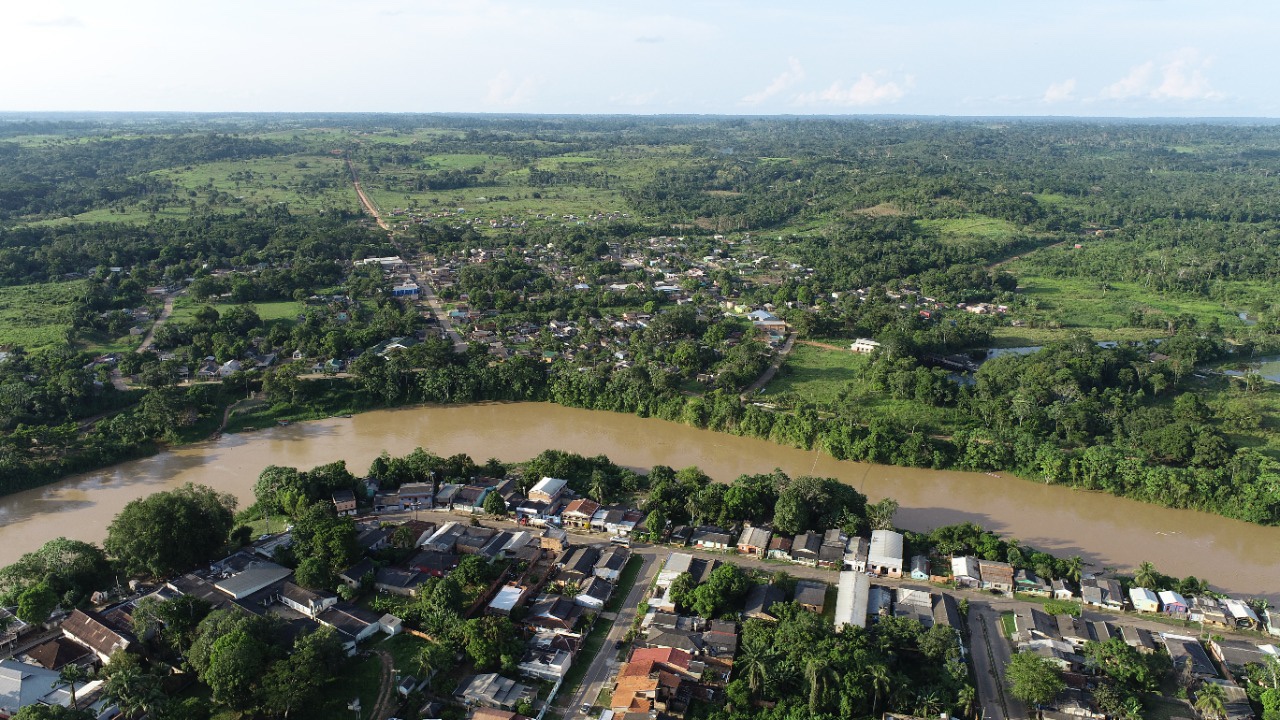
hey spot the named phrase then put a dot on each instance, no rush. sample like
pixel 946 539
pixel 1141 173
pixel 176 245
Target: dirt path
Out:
pixel 772 370
pixel 369 207
pixel 382 708
pixel 150 339
pixel 824 346
pixel 1008 260
pixel 428 294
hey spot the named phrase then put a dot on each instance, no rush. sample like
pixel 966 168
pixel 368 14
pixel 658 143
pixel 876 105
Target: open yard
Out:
pixel 37 316
pixel 815 375
pixel 1077 303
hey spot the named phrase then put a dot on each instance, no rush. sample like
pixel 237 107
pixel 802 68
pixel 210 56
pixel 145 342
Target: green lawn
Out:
pixel 1078 303
pixel 185 307
pixel 38 316
pixel 973 226
pixel 815 375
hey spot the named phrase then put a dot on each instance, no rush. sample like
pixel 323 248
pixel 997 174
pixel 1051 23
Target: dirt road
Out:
pixel 150 339
pixel 772 370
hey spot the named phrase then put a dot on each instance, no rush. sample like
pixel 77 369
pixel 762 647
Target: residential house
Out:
pixel 676 564
pixel 920 567
pixel 886 554
pixel 229 368
pixel 761 599
pixel 996 576
pixel 780 549
pixel 579 564
pixel 58 653
pixel 965 571
pixel 754 540
pixel 864 345
pixel 1235 655
pixel 398 582
pixel 1144 599
pixel 805 548
pixel 354 575
pixel 548 490
pixel 1026 581
pixel 352 623
pixel 92 631
pixel 554 539
pixel 1240 614
pixel 550 665
pixel 344 502
pixel 1173 603
pixel 23 685
pixel 508 598
pixel 492 690
pixel 305 601
pixel 811 595
pixel 856 552
pixel 913 604
pixel 556 613
pixel 417 496
pixel 373 538
pixel 1063 590
pixel 709 537
pixel 610 565
pixel 578 514
pixel 593 593
pixel 1186 652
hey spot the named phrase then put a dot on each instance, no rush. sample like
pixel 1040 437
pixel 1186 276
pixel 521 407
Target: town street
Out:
pixel 989 649
pixel 605 664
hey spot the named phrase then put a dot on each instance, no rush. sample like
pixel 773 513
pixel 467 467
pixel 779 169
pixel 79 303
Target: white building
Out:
pixel 886 556
pixel 864 345
pixel 852 598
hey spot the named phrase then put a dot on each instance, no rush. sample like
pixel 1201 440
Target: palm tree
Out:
pixel 967 699
pixel 68 676
pixel 816 671
pixel 134 692
pixel 1146 575
pixel 928 705
pixel 753 665
pixel 1074 569
pixel 1211 701
pixel 879 677
pixel 1133 708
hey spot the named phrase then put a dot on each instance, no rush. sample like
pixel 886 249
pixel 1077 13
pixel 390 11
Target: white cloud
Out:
pixel 1136 84
pixel 507 91
pixel 865 91
pixel 1181 78
pixel 790 77
pixel 1060 91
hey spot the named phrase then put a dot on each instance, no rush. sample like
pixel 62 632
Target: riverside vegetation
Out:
pixel 613 259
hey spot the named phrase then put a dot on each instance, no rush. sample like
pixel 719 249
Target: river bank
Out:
pixel 1105 530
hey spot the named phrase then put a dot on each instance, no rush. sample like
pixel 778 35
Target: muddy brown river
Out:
pixel 1106 531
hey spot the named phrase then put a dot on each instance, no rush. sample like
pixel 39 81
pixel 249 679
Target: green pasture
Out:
pixel 37 316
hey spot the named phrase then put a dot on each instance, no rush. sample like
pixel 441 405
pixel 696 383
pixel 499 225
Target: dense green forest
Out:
pixel 608 263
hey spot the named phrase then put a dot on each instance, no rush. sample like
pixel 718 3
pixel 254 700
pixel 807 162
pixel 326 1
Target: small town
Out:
pixel 603 617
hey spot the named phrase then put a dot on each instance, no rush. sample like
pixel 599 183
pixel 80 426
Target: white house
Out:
pixel 886 556
pixel 548 489
pixel 1144 599
pixel 864 345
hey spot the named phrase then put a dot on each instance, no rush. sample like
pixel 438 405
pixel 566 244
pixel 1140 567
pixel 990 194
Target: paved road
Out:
pixel 605 664
pixel 991 652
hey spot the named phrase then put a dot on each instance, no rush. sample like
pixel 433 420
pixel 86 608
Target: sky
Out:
pixel 1097 58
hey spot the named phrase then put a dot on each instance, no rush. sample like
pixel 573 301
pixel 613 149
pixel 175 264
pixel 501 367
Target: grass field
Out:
pixel 37 316
pixel 815 375
pixel 1077 303
pixel 1008 337
pixel 974 226
pixel 185 307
